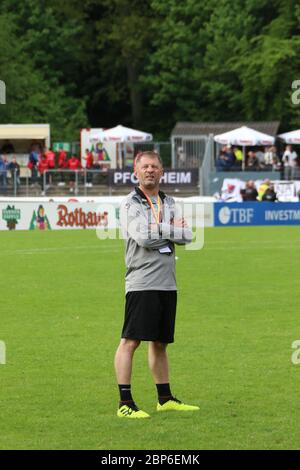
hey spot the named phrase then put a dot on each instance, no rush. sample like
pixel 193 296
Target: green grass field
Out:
pixel 62 302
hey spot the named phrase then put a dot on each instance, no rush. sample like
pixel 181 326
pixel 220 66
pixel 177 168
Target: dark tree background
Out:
pixel 148 63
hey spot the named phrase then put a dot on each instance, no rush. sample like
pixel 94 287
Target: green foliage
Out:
pixel 35 92
pixel 225 60
pixel 173 70
pixel 148 63
pixel 124 35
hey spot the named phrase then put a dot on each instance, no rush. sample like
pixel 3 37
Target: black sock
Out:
pixel 125 395
pixel 164 393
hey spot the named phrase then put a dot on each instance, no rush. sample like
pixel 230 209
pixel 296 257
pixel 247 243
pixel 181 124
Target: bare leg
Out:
pixel 158 362
pixel 124 358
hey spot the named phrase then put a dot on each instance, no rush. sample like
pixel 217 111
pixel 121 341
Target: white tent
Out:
pixel 121 134
pixel 292 137
pixel 244 136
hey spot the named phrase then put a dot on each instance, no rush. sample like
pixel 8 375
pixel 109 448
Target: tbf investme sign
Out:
pixel 2 92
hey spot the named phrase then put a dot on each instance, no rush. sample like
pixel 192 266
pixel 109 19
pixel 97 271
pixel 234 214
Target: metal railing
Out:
pixel 9 178
pixel 81 182
pixel 12 185
pixel 75 178
pixel 188 151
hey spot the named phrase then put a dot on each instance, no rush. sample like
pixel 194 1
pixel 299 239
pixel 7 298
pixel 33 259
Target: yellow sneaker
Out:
pixel 127 412
pixel 176 405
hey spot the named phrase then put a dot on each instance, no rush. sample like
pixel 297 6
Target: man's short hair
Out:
pixel 148 153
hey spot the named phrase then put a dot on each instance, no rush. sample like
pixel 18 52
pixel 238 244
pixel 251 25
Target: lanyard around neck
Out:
pixel 155 213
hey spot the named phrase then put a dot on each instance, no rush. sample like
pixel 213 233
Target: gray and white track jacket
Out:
pixel 150 251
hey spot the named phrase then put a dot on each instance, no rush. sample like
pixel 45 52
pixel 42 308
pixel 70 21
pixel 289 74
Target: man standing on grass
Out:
pixel 150 227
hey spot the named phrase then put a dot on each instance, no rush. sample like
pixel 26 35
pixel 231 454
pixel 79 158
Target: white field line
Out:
pixel 41 251
pixel 273 247
pixel 241 242
pixel 229 246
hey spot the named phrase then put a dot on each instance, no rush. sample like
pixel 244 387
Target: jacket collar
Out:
pixel 161 194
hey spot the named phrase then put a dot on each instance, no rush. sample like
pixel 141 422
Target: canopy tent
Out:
pixel 20 138
pixel 25 131
pixel 292 137
pixel 121 134
pixel 244 136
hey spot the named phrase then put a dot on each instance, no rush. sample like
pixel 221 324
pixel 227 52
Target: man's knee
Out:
pixel 158 346
pixel 130 345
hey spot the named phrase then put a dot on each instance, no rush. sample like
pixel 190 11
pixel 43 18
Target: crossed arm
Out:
pixel 135 224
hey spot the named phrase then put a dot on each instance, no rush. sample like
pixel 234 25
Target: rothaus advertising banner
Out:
pixel 53 215
pixel 256 213
pixel 57 216
pixel 170 177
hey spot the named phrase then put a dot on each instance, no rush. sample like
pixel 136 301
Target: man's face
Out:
pixel 148 171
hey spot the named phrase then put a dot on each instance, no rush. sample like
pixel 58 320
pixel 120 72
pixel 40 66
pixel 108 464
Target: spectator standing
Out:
pixel 226 159
pixel 239 157
pixel 50 155
pixel 288 160
pixel 260 155
pixel 74 165
pixel 252 162
pixel 42 167
pixel 238 154
pixel 32 164
pixel 89 163
pixel 270 155
pixel 296 169
pixel 3 173
pixel 14 168
pixel 181 157
pixel 62 165
pixel 250 192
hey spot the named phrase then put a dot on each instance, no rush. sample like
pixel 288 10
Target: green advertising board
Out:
pixel 61 146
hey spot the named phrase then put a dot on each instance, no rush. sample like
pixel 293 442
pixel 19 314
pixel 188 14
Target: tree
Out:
pixel 123 41
pixel 172 75
pixel 270 65
pixel 30 98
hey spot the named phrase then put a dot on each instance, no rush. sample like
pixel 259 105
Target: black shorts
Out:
pixel 150 315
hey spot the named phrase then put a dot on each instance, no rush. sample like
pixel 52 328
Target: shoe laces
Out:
pixel 176 399
pixel 130 405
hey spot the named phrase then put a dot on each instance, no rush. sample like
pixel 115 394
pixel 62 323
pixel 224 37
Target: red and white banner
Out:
pixel 57 216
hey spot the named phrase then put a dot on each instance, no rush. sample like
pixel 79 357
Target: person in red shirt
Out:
pixel 50 155
pixel 89 164
pixel 62 165
pixel 62 159
pixel 42 167
pixel 74 165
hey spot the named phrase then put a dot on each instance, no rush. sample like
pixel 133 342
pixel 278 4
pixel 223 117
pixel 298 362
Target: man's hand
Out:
pixel 179 223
